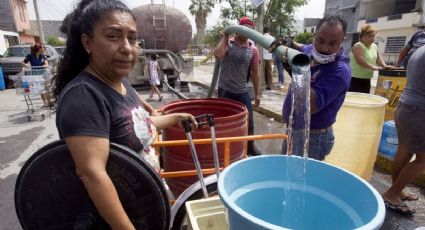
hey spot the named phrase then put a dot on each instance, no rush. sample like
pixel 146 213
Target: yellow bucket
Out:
pixel 358 129
pixel 390 85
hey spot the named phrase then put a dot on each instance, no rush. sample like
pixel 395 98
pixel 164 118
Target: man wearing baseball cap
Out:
pixel 239 56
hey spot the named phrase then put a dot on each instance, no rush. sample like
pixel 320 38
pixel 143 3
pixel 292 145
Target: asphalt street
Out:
pixel 20 138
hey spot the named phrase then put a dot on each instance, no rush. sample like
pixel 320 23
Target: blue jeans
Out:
pixel 244 99
pixel 320 144
pixel 279 66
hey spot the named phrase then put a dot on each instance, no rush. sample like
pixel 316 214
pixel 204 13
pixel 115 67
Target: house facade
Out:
pixel 14 19
pixel 349 11
pixel 395 20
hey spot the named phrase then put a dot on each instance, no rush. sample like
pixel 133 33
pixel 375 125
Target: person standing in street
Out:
pixel 268 61
pixel 153 70
pixel 364 60
pixel 239 56
pixel 416 41
pixel 39 64
pixel 279 66
pixel 330 80
pixel 410 123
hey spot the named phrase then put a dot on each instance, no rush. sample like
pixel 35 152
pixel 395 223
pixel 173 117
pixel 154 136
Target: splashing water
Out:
pixel 298 138
pixel 299 118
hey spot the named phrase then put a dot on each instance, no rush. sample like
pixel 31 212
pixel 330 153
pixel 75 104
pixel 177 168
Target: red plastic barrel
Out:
pixel 231 119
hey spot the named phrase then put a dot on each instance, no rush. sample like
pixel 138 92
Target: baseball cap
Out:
pixel 246 21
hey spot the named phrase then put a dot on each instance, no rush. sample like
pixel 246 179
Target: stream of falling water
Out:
pixel 298 138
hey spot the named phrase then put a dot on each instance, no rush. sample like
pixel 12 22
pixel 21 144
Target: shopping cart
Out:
pixel 30 83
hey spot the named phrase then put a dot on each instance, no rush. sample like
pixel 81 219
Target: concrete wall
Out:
pixel 50 28
pixel 377 9
pixel 380 8
pixel 20 13
pixel 382 36
pixel 6 16
pixel 298 27
pixel 27 39
pixel 383 23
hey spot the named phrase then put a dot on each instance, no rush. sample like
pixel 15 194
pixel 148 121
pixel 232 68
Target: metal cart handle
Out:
pixel 206 119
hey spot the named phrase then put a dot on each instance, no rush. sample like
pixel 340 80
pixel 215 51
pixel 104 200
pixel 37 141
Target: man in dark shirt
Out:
pixel 330 80
pixel 239 56
pixel 416 41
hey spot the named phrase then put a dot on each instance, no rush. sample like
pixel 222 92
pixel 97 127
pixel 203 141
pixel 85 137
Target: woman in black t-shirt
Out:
pixel 96 105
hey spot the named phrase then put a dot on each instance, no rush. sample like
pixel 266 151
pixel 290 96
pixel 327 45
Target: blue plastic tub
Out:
pixel 263 193
pixel 2 83
pixel 389 140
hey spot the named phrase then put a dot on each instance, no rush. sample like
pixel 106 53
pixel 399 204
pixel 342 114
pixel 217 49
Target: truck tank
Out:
pixel 165 31
pixel 162 27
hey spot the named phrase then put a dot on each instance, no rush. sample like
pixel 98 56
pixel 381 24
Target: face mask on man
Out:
pixel 323 58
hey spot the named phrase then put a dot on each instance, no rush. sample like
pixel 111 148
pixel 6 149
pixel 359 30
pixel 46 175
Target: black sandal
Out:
pixel 400 208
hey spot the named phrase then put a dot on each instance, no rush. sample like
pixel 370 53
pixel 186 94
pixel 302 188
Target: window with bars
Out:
pixel 395 44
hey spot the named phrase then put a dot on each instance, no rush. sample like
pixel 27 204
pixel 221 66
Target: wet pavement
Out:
pixel 20 138
pixel 271 106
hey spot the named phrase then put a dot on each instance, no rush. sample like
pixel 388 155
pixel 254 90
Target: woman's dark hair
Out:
pixel 154 56
pixel 81 21
pixel 35 48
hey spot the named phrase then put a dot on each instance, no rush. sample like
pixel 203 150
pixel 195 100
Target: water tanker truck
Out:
pixel 166 32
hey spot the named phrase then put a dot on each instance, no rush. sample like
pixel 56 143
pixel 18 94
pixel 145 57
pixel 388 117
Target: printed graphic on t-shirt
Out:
pixel 143 128
pixel 315 76
pixel 141 125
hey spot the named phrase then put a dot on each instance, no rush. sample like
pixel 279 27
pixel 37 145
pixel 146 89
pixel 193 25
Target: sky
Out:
pixel 57 9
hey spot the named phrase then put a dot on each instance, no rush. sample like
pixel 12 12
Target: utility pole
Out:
pixel 423 13
pixel 39 26
pixel 259 23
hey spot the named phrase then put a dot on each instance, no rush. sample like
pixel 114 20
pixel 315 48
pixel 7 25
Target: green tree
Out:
pixel 213 35
pixel 200 9
pixel 304 38
pixel 278 16
pixel 54 41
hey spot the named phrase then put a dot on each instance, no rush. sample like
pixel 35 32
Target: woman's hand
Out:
pixel 168 120
pixel 185 116
pixel 392 67
pixel 377 68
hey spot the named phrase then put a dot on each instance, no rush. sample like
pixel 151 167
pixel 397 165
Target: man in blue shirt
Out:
pixel 330 80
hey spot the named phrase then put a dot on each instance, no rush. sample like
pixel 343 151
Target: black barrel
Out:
pixel 49 195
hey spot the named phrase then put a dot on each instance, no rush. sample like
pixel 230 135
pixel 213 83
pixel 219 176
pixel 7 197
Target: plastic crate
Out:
pixel 206 214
